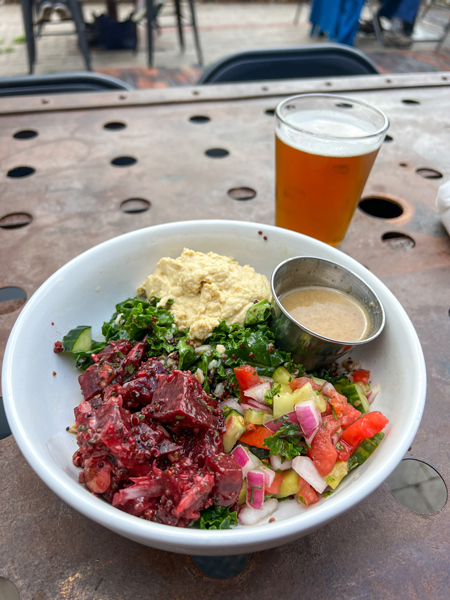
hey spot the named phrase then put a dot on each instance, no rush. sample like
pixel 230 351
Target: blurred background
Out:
pixel 412 38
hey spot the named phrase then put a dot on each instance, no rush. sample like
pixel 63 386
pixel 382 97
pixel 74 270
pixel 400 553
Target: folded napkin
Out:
pixel 443 204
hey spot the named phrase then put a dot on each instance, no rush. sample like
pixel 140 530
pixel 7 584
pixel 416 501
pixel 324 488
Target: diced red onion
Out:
pixel 269 475
pixel 264 378
pixel 275 461
pixel 305 467
pixel 336 437
pixel 243 459
pixel 258 406
pixel 275 424
pixel 251 516
pixel 373 393
pixel 205 348
pixel 255 489
pixel 257 392
pixel 219 389
pixel 328 389
pixel 309 418
pixel 231 403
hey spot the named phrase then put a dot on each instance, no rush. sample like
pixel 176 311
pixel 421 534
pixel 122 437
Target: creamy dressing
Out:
pixel 328 312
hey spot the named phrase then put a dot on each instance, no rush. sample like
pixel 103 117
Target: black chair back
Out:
pixel 60 83
pixel 325 60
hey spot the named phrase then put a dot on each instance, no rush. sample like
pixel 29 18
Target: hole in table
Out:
pixel 20 172
pixel 410 101
pixel 15 220
pixel 429 173
pixel 196 93
pixel 25 134
pixel 124 161
pixel 114 125
pixel 265 88
pixel 5 431
pixel 11 299
pixel 8 590
pixel 388 138
pixel 222 567
pixel 344 105
pixel 382 208
pixel 199 119
pixel 242 193
pixel 388 80
pixel 135 205
pixel 328 83
pixel 418 487
pixel 398 241
pixel 270 112
pixel 217 152
pixel 402 164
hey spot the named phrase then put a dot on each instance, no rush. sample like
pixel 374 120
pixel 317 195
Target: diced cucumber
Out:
pixel 303 394
pixel 289 485
pixel 282 404
pixel 257 417
pixel 364 450
pixel 341 384
pixel 242 494
pixel 282 375
pixel 320 401
pixel 284 388
pixel 356 397
pixel 235 428
pixel 336 475
pixel 318 380
pixel 78 339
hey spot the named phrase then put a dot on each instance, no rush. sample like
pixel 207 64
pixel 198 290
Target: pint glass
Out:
pixel 325 147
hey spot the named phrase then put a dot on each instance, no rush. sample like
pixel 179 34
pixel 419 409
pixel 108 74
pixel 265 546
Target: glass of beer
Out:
pixel 325 147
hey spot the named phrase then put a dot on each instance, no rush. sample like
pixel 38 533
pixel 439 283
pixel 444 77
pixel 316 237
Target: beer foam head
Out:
pixel 328 133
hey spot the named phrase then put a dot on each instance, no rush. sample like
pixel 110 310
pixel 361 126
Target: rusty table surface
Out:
pixel 76 197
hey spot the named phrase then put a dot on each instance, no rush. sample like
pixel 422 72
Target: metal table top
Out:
pixel 74 197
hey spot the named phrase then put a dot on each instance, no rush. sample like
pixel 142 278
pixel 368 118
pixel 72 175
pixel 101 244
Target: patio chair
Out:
pixel 34 30
pixel 154 8
pixel 325 60
pixel 61 83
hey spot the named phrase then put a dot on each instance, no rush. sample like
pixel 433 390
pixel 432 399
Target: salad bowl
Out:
pixel 40 406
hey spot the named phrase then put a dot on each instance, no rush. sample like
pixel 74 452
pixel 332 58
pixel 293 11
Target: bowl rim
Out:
pixel 312 332
pixel 174 539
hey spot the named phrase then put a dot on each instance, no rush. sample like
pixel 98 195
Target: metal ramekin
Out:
pixel 310 349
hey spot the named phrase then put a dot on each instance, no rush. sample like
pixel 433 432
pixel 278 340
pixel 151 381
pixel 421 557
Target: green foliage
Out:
pixel 286 440
pixel 216 517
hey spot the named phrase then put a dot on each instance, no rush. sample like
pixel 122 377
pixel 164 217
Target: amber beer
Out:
pixel 325 149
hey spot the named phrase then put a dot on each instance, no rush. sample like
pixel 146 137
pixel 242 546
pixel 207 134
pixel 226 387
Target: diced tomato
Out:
pixel 344 451
pixel 338 401
pixel 306 494
pixel 361 376
pixel 301 381
pixel 322 452
pixel 247 376
pixel 365 427
pixel 275 486
pixel 331 424
pixel 256 436
pixel 350 415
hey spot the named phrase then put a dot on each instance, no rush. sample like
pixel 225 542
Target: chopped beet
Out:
pixel 149 440
pixel 179 399
pixel 58 347
pixel 228 479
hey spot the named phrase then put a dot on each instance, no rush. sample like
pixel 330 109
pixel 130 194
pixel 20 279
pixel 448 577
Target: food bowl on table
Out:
pixel 40 406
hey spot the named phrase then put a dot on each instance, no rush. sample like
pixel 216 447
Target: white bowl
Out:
pixel 40 405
